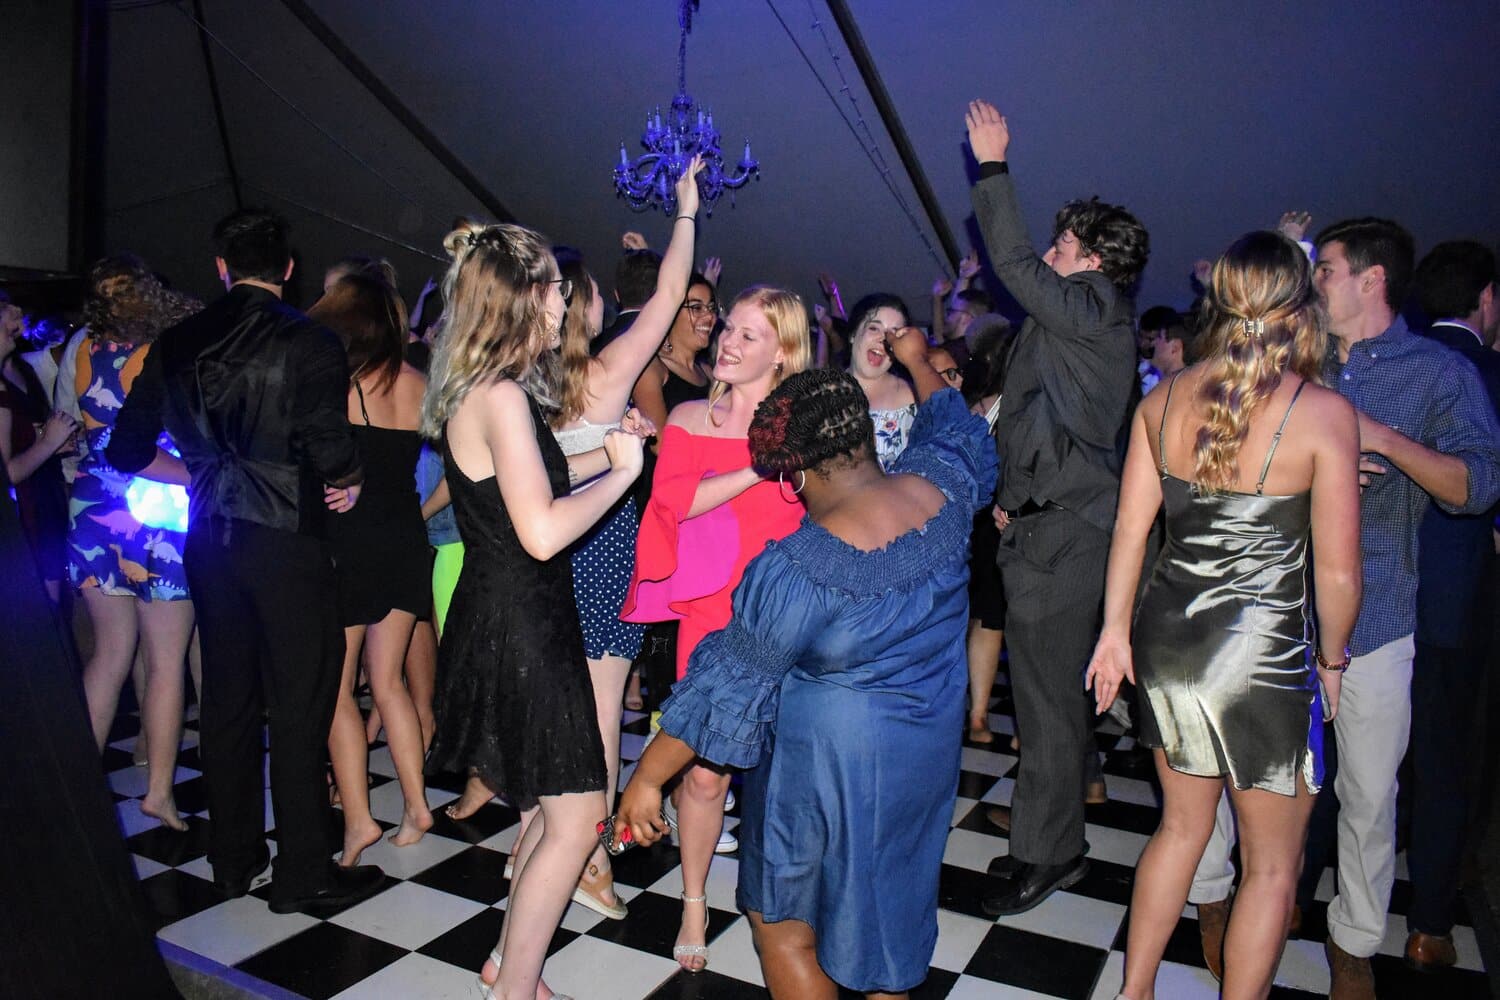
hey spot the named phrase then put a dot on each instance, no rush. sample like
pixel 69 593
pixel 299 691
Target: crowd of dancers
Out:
pixel 817 528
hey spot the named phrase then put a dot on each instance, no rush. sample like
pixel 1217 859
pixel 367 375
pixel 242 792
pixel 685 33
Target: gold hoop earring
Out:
pixel 801 485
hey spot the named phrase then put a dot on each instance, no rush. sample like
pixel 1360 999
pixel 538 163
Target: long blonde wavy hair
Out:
pixel 787 314
pixel 495 325
pixel 1259 320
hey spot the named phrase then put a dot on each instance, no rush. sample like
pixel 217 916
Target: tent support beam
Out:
pixel 213 93
pixel 398 110
pixel 868 72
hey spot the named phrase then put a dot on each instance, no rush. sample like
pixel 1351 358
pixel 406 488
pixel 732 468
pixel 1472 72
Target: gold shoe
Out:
pixel 591 890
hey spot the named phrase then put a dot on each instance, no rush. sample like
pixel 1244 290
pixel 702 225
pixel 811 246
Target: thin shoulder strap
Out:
pixel 1277 439
pixel 1161 430
pixel 360 392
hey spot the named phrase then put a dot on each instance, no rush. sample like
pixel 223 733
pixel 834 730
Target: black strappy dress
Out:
pixel 1221 635
pixel 380 548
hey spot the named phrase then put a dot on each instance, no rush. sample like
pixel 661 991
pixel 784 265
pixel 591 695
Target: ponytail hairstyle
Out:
pixel 575 358
pixel 812 418
pixel 496 324
pixel 1260 319
pixel 787 314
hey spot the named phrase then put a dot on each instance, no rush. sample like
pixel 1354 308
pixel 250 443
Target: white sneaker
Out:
pixel 729 800
pixel 728 842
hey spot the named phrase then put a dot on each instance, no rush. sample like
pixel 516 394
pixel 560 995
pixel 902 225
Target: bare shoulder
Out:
pixel 1328 412
pixel 410 382
pixel 688 415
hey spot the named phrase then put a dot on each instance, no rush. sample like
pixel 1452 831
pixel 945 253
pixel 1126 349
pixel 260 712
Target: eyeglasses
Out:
pixel 701 308
pixel 564 287
pixel 951 374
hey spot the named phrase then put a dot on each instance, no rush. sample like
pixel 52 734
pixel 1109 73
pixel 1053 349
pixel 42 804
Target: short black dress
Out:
pixel 380 548
pixel 514 699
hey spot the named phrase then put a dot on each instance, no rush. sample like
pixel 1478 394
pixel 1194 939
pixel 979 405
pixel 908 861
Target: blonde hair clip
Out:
pixel 1255 327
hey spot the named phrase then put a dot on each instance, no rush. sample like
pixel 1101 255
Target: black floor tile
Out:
pixel 470 943
pixel 974 821
pixel 1106 881
pixel 321 961
pixel 167 846
pixel 1124 816
pixel 653 922
pixel 191 795
pixel 114 759
pixel 447 781
pixel 642 867
pixel 476 873
pixel 1394 979
pixel 175 895
pixel 936 986
pixel 1036 962
pixel 962 890
pixel 707 985
pixel 1185 946
pixel 973 785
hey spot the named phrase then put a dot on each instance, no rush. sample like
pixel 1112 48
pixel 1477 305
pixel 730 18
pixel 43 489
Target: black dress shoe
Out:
pixel 1005 865
pixel 1028 885
pixel 236 886
pixel 346 886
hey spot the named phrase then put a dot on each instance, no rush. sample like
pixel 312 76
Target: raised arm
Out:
pixel 621 362
pixel 546 525
pixel 1140 499
pixel 1060 305
pixel 908 346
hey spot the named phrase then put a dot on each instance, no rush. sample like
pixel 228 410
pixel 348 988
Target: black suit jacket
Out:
pixel 1454 551
pixel 255 396
pixel 623 322
pixel 1070 383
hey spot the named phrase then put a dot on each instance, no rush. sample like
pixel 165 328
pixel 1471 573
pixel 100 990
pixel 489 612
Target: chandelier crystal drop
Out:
pixel 671 142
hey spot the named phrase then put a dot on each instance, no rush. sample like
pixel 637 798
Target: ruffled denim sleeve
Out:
pixel 952 449
pixel 725 708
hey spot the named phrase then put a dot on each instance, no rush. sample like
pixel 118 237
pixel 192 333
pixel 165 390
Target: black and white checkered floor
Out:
pixel 426 934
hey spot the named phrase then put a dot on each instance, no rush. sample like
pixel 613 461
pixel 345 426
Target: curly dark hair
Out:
pixel 127 304
pixel 811 419
pixel 1111 232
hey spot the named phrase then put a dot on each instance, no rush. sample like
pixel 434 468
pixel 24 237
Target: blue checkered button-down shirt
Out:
pixel 1433 396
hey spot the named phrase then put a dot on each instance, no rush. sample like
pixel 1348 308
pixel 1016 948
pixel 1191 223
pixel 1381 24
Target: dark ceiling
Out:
pixel 1205 118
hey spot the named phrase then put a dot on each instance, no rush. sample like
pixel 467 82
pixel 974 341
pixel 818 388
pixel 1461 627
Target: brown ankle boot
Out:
pixel 1350 975
pixel 1212 919
pixel 1430 952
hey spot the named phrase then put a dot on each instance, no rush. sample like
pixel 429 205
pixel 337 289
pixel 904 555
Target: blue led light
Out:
pixel 157 505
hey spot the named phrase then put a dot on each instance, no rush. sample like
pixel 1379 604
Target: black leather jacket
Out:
pixel 254 395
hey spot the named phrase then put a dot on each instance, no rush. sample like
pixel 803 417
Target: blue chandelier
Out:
pixel 688 131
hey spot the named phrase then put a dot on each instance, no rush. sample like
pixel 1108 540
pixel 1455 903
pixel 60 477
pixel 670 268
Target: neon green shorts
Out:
pixel 445 568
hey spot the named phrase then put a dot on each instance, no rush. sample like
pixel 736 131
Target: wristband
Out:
pixel 1335 667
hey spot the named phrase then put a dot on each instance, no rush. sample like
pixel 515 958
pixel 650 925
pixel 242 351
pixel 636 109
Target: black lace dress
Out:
pixel 514 698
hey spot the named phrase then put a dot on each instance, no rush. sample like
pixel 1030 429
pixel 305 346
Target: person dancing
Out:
pixel 514 700
pixel 380 555
pixel 710 514
pixel 848 640
pixel 1221 637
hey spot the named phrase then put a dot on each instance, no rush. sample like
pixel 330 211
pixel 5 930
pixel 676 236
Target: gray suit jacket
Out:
pixel 1070 386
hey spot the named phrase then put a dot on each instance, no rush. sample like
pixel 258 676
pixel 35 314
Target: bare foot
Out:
pixel 357 836
pixel 164 809
pixel 1015 742
pixel 980 732
pixel 413 825
pixel 476 794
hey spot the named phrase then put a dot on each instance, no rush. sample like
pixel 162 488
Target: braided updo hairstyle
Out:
pixel 1260 319
pixel 812 418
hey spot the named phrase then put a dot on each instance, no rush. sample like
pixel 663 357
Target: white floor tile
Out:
pixel 408 915
pixel 504 840
pixel 1303 966
pixel 973 851
pixel 959 937
pixel 961 808
pixel 631 746
pixel 1111 978
pixel 1180 982
pixel 415 976
pixel 1132 790
pixel 732 954
pixel 970 988
pixel 132 820
pixel 1000 792
pixel 386 802
pixel 1073 918
pixel 1464 942
pixel 202 869
pixel 404 862
pixel 145 867
pixel 723 879
pixel 381 763
pixel 985 761
pixel 234 930
pixel 1119 846
pixel 601 970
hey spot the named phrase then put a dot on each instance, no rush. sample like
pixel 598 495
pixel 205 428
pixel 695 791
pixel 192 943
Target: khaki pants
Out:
pixel 1372 727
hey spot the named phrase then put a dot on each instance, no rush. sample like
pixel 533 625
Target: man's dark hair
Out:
pixel 635 277
pixel 977 299
pixel 253 243
pixel 1451 278
pixel 812 418
pixel 1111 232
pixel 1370 241
pixel 1160 318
